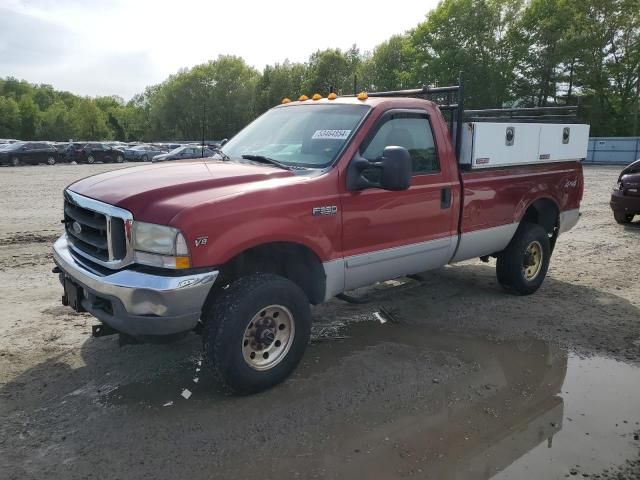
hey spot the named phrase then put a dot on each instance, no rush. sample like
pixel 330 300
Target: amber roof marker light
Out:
pixel 303 98
pixel 363 96
pixel 286 100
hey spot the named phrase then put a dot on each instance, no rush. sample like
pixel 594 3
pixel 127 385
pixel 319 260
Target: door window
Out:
pixel 411 131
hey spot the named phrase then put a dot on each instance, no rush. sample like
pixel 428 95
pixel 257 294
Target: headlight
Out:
pixel 160 246
pixel 619 185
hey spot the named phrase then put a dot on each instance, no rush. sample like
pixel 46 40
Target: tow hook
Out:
pixel 102 330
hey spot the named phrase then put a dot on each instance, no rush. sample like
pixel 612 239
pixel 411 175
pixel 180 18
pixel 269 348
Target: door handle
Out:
pixel 445 198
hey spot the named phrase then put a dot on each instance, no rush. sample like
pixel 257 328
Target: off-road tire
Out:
pixel 511 262
pixel 226 317
pixel 622 218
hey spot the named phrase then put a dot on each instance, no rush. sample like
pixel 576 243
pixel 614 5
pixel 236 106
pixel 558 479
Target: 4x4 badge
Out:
pixel 201 241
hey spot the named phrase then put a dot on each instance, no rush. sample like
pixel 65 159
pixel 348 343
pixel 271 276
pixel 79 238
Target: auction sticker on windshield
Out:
pixel 332 134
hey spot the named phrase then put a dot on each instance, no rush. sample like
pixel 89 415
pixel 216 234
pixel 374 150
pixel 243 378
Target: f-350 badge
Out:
pixel 327 210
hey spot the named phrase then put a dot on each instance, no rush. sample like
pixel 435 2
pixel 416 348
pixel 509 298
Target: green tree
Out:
pixel 470 36
pixel 9 118
pixel 89 122
pixel 279 81
pixel 327 69
pixel 29 117
pixel 219 94
pixel 56 123
pixel 388 67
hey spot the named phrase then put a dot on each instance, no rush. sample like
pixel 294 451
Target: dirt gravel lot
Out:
pixel 462 381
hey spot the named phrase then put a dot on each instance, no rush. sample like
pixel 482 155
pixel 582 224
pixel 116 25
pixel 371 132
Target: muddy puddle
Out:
pixel 381 400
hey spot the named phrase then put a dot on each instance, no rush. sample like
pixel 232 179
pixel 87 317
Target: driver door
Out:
pixel 387 234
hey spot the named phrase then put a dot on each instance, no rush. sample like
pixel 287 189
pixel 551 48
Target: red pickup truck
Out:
pixel 314 198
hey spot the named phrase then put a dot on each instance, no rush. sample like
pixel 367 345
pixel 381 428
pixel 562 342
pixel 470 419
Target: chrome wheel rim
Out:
pixel 90 159
pixel 51 160
pixel 532 263
pixel 268 337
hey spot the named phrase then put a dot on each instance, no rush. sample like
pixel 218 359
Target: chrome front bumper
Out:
pixel 137 303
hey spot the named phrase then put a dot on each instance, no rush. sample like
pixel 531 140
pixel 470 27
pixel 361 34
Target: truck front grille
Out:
pixel 97 231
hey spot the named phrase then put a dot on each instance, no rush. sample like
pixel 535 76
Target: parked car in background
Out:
pixel 625 199
pixel 167 147
pixel 61 151
pixel 73 151
pixel 99 152
pixel 4 141
pixel 142 153
pixel 33 153
pixel 181 153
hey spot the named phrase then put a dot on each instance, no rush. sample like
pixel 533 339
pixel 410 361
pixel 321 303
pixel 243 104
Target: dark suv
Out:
pixel 100 152
pixel 625 199
pixel 27 153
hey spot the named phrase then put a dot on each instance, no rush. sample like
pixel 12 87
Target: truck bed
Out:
pixel 494 200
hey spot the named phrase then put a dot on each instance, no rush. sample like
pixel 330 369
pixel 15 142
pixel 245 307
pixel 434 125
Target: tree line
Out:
pixel 512 52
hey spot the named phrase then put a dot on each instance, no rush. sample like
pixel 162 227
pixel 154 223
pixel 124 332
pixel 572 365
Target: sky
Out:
pixel 118 47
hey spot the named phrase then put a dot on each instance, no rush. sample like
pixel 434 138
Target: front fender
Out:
pixel 243 236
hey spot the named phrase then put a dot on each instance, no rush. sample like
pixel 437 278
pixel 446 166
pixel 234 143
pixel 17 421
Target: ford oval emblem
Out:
pixel 77 228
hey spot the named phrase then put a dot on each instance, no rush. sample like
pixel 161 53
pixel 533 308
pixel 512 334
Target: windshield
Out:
pixel 12 146
pixel 177 149
pixel 305 135
pixel 632 168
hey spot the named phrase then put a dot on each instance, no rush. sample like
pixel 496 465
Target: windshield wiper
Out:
pixel 263 159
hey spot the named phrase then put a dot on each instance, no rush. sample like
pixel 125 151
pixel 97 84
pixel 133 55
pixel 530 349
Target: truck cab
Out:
pixel 314 198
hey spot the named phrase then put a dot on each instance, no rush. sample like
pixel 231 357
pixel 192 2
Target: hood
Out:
pixel 157 192
pixel 631 169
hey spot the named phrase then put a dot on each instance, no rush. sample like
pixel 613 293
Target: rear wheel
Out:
pixel 119 159
pixel 15 161
pixel 145 158
pixel 523 265
pixel 51 160
pixel 255 332
pixel 91 159
pixel 622 218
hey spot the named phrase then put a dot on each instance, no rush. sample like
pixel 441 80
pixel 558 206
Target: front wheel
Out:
pixel 91 159
pixel 119 159
pixel 51 160
pixel 523 265
pixel 145 158
pixel 255 332
pixel 15 162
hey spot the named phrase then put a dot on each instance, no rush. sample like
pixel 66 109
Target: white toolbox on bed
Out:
pixel 493 144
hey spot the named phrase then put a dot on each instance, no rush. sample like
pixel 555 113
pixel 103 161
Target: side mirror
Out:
pixel 394 166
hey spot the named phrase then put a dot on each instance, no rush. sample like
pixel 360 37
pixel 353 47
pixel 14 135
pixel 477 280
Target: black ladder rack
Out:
pixel 449 99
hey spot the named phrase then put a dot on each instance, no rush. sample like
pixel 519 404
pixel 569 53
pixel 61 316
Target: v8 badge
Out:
pixel 200 241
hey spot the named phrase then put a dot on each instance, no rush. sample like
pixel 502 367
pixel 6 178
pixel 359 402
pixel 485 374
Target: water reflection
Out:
pixel 384 401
